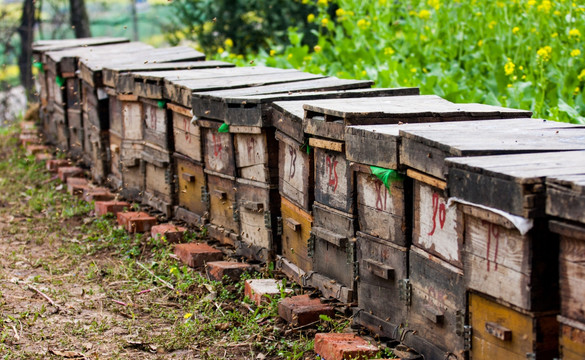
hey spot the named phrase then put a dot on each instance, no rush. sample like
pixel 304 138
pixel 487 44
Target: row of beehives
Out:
pixel 349 187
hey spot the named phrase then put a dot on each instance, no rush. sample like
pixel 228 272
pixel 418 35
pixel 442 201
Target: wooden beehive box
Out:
pixel 383 270
pixel 224 223
pixel 565 202
pixel 296 234
pixel 424 148
pixel 504 332
pixel 192 189
pixel 159 179
pixel 258 207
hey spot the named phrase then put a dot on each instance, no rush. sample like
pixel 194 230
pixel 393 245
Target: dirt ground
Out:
pixel 73 286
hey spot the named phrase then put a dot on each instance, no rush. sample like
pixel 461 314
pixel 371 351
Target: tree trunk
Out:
pixel 79 18
pixel 26 32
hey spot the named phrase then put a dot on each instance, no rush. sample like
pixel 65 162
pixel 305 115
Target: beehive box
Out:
pixel 159 179
pixel 258 207
pixel 510 333
pixel 191 193
pixel 571 339
pixel 221 194
pixel 296 175
pixel 296 234
pixel 49 56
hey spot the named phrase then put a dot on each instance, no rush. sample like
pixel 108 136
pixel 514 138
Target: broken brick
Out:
pixel 260 290
pixel 54 164
pixel 334 346
pixel 196 255
pixel 136 221
pixel 110 207
pixel 66 172
pixel 43 157
pixel 302 310
pixel 35 149
pixel 172 233
pixel 76 185
pixel 232 270
pixel 97 194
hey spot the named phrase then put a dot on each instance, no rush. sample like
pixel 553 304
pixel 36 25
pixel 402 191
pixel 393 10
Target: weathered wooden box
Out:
pixel 514 183
pixel 383 271
pixel 296 174
pixel 156 123
pixel 332 247
pixel 192 203
pixel 186 133
pixel 218 148
pixel 256 158
pixel 503 332
pixel 258 209
pixel 159 179
pixel 224 224
pixel 296 234
pixel 508 265
pixel 571 339
pixel 438 304
pixel 382 210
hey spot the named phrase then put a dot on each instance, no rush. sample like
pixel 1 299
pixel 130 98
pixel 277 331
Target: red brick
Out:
pixel 172 233
pixel 26 126
pixel 29 139
pixel 136 221
pixel 35 149
pixel 76 185
pixel 97 194
pixel 43 157
pixel 333 346
pixel 196 255
pixel 54 164
pixel 302 310
pixel 230 269
pixel 110 207
pixel 257 289
pixel 69 171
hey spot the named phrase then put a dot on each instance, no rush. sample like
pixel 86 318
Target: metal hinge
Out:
pixel 405 290
pixel 235 212
pixel 530 356
pixel 350 252
pixel 279 226
pixel 167 176
pixel 459 323
pixel 268 220
pixel 311 246
pixel 204 196
pixel 467 330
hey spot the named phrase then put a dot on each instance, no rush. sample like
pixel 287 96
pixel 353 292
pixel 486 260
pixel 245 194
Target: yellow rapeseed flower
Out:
pixel 557 13
pixel 324 22
pixel 480 43
pixel 576 91
pixel 554 35
pixel 322 2
pixel 187 315
pixel 317 48
pixel 272 52
pixel 305 1
pixel 520 67
pixel 581 76
pixel 545 6
pixel 228 42
pixel 509 85
pixel 364 73
pixel 531 2
pixel 574 33
pixel 575 52
pixel 382 2
pixel 310 18
pixel 290 56
pixel 340 12
pixel 220 50
pixel 492 24
pixel 436 4
pixel 413 70
pixel 544 53
pixel 389 51
pixel 363 24
pixel 509 68
pixel 424 14
pixel 515 30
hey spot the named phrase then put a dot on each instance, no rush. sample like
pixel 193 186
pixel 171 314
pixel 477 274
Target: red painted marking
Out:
pixel 332 166
pixel 381 203
pixel 442 212
pixel 493 231
pixel 216 145
pixel 293 160
pixel 187 128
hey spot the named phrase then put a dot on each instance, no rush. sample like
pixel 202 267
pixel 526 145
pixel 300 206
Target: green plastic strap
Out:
pixel 385 175
pixel 39 66
pixel 60 81
pixel 161 104
pixel 224 128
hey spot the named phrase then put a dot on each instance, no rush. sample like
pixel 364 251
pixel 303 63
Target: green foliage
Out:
pixel 522 54
pixel 239 26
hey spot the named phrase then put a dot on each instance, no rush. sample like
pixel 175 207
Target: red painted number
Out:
pixel 381 202
pixel 332 166
pixel 216 145
pixel 493 234
pixel 187 127
pixel 438 209
pixel 293 160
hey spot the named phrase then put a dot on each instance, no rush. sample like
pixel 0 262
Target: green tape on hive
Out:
pixel 386 176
